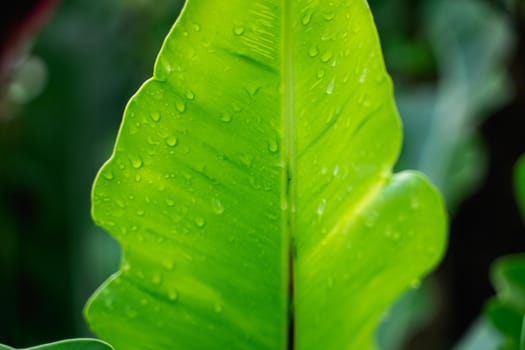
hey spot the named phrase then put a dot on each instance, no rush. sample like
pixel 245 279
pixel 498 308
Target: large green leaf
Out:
pixel 251 186
pixel 73 344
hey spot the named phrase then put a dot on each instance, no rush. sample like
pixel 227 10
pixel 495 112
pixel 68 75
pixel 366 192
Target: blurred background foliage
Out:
pixel 459 72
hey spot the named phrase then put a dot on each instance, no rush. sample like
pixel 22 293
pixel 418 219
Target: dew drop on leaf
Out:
pixel 200 222
pixel 173 295
pixel 180 106
pixel 321 207
pixel 273 146
pixel 171 141
pixel 156 279
pixel 330 88
pixel 313 51
pixel 136 162
pixel 218 208
pixel 155 116
pixel 190 95
pixel 329 16
pixel 218 308
pixel 327 56
pixel 226 117
pixel 131 313
pixel 307 18
pixel 253 90
pixel 362 77
pixel 238 30
pixel 169 264
pixel 108 175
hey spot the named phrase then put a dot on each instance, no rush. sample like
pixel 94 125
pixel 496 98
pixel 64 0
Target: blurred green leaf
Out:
pixel 263 145
pixel 410 313
pixel 507 309
pixel 519 184
pixel 472 42
pixel 481 336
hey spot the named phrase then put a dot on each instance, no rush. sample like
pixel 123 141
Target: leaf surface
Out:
pixel 251 186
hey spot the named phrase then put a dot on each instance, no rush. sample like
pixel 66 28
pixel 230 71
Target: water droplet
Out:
pixel 140 212
pixel 180 106
pixel 247 160
pixel 307 18
pixel 200 222
pixel 313 51
pixel 327 56
pixel 253 90
pixel 320 74
pixel 238 30
pixel 155 116
pixel 236 108
pixel 173 295
pixel 156 278
pixel 218 308
pixel 196 27
pixel 336 170
pixel 171 141
pixel 138 178
pixel 108 175
pixel 136 162
pixel 218 208
pixel 190 95
pixel 254 183
pixel 226 117
pixel 170 202
pixel 131 313
pixel 321 207
pixel 329 16
pixel 330 88
pixel 362 77
pixel 273 146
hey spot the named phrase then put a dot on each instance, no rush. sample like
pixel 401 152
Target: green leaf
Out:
pixel 507 309
pixel 73 344
pixel 251 186
pixel 519 184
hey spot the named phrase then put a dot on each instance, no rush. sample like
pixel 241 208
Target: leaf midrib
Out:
pixel 288 159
